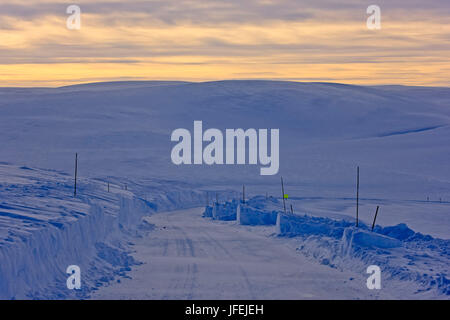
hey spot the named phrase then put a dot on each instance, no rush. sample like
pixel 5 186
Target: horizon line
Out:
pixel 222 80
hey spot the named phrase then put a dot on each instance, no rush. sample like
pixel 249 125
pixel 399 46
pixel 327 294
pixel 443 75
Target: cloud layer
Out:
pixel 321 40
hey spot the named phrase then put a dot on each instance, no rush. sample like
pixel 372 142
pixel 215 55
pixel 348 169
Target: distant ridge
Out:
pixel 121 84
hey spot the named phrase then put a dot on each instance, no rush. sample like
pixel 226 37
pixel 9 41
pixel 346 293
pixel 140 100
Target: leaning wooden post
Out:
pixel 357 196
pixel 375 218
pixel 292 210
pixel 76 173
pixel 282 191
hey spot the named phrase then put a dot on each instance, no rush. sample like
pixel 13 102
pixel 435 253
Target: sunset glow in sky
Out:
pixel 193 40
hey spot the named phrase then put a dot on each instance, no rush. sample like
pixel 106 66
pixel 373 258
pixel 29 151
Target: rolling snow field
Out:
pixel 145 237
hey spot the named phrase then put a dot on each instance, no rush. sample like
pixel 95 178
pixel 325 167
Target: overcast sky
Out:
pixel 200 40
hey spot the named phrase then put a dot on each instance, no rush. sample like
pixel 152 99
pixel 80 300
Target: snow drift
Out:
pixel 44 229
pixel 208 213
pixel 225 211
pixel 247 215
pixel 399 251
pixel 252 212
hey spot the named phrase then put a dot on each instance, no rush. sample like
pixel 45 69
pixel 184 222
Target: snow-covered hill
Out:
pixel 399 136
pixel 396 134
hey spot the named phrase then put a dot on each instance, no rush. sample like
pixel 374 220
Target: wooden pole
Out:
pixel 243 194
pixel 282 191
pixel 108 186
pixel 375 218
pixel 76 173
pixel 292 210
pixel 357 196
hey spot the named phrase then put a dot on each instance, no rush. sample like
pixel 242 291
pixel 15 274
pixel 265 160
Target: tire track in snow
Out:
pixel 189 257
pixel 184 248
pixel 232 258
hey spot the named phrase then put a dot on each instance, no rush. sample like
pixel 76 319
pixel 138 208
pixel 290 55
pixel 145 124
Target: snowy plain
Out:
pixel 399 136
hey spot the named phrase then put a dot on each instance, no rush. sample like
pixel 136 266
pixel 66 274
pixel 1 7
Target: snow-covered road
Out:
pixel 189 257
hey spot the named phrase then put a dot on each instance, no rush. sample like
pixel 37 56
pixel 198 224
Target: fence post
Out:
pixel 282 191
pixel 357 196
pixel 375 218
pixel 76 173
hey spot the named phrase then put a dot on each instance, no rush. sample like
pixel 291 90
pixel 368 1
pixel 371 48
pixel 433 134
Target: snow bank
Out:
pixel 256 211
pixel 208 213
pixel 225 211
pixel 247 215
pixel 222 211
pixel 401 253
pixel 355 237
pixel 44 229
pixel 400 231
pixel 293 225
pixel 35 267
